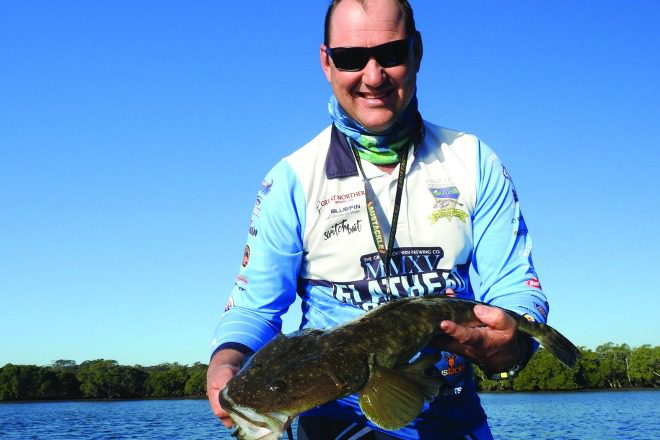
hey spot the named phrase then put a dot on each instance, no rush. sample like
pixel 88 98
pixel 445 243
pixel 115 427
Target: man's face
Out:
pixel 374 96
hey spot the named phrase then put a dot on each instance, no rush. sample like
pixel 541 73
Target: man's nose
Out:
pixel 373 74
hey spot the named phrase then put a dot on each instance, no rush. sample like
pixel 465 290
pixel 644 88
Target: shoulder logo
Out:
pixel 266 186
pixel 533 283
pixel 507 176
pixel 246 256
pixel 252 229
pixel 541 310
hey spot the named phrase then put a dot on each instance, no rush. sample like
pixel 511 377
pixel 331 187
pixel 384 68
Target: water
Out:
pixel 140 419
pixel 633 415
pixel 577 415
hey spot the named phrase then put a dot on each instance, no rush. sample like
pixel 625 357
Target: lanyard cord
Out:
pixel 375 212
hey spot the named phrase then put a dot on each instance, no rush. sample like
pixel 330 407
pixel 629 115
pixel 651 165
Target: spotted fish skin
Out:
pixel 368 355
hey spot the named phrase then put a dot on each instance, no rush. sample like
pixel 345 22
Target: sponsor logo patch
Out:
pixel 339 201
pixel 413 272
pixel 529 317
pixel 343 227
pixel 252 230
pixel 241 280
pixel 246 256
pixel 507 176
pixel 445 196
pixel 533 283
pixel 541 310
pixel 452 368
pixel 447 213
pixel 446 202
pixel 526 252
pixel 452 391
pixel 343 211
pixel 266 186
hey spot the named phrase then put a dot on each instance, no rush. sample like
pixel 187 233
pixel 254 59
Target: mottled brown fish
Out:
pixel 369 355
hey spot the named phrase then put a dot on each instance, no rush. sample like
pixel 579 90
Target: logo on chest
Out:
pixel 340 205
pixel 343 227
pixel 446 203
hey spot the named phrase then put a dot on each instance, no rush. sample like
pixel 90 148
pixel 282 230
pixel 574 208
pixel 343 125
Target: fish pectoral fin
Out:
pixel 390 400
pixel 429 386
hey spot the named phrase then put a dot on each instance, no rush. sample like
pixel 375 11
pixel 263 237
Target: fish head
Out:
pixel 289 375
pixel 250 425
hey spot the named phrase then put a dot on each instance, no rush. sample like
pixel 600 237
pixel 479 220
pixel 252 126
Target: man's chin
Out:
pixel 378 120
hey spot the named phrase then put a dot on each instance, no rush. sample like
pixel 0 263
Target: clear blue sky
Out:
pixel 134 137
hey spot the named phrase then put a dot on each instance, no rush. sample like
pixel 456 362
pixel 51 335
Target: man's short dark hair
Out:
pixel 405 7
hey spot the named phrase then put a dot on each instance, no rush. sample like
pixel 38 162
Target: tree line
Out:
pixel 101 379
pixel 609 366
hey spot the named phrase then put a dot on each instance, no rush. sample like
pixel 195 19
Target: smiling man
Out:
pixel 383 205
pixel 371 94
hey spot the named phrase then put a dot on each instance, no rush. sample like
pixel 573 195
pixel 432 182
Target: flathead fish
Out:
pixel 369 355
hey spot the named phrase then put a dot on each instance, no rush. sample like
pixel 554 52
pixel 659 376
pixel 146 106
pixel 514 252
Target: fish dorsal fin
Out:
pixel 389 399
pixel 429 386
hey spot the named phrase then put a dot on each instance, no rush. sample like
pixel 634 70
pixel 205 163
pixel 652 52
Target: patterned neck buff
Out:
pixel 384 148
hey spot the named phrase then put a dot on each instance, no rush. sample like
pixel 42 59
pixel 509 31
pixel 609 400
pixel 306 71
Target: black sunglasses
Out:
pixel 353 59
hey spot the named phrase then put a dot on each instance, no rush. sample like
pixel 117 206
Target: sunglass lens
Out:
pixel 350 58
pixel 392 54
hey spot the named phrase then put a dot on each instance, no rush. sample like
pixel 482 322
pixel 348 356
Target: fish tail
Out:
pixel 551 340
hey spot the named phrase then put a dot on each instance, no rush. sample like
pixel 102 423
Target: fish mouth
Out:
pixel 251 425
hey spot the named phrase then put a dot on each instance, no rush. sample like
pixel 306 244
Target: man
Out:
pixel 443 202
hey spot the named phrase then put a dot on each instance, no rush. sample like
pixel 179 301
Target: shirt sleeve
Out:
pixel 502 255
pixel 265 286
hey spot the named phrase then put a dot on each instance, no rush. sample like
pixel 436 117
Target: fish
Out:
pixel 369 355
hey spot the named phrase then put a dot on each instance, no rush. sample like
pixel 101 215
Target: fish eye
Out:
pixel 277 385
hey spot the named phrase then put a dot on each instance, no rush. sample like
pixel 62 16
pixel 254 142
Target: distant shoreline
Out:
pixel 609 367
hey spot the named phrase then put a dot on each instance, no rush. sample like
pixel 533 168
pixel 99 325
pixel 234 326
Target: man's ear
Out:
pixel 325 62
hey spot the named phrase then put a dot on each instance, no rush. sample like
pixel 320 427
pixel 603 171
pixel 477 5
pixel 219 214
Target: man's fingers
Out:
pixel 218 411
pixel 495 318
pixel 458 334
pixel 227 421
pixel 448 327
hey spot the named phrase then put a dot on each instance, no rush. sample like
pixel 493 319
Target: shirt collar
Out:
pixel 340 161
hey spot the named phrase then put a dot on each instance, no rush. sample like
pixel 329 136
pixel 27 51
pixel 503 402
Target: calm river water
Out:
pixel 581 415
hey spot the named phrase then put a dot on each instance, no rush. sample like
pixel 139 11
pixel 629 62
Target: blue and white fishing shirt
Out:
pixel 309 235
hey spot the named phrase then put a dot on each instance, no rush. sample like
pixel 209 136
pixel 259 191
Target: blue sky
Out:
pixel 134 137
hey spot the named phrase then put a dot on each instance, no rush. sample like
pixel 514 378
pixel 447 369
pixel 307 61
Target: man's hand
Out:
pixel 223 366
pixel 493 347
